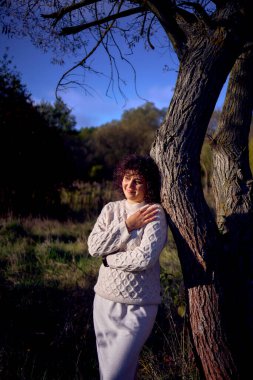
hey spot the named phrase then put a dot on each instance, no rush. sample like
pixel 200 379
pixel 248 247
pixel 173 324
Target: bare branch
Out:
pixel 79 28
pixel 81 63
pixel 130 64
pixel 165 13
pixel 68 9
pixel 112 63
pixel 148 33
pixel 103 35
pixel 143 24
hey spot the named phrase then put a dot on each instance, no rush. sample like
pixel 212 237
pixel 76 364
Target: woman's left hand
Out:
pixel 142 217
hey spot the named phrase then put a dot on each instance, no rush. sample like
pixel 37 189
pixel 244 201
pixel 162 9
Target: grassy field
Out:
pixel 47 279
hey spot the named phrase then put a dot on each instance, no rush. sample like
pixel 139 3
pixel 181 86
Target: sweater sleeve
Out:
pixel 108 234
pixel 147 253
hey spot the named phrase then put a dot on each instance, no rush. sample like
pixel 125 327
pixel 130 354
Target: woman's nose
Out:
pixel 131 184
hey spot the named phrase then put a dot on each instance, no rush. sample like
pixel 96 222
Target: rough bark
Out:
pixel 232 186
pixel 203 71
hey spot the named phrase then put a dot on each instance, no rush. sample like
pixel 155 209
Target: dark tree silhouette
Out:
pixel 34 159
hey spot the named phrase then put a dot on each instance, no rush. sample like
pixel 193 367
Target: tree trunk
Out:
pixel 232 186
pixel 177 147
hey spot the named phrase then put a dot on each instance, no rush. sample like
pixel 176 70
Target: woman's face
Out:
pixel 134 187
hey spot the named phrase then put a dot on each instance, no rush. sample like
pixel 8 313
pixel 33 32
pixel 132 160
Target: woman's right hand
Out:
pixel 142 217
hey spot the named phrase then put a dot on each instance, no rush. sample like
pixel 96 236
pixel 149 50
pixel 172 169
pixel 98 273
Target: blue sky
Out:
pixel 154 84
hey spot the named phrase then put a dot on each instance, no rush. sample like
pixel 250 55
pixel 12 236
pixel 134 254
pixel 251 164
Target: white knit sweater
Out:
pixel 133 275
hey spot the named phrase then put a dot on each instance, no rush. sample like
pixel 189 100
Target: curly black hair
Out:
pixel 146 167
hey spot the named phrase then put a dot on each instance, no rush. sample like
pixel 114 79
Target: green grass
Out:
pixel 34 251
pixel 47 279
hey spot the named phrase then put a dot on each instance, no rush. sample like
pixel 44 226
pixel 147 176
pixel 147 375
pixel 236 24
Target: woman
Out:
pixel 129 235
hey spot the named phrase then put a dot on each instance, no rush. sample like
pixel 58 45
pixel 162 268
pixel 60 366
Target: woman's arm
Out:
pixel 147 253
pixel 107 237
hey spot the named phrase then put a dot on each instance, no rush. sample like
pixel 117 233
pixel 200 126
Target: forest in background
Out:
pixel 51 169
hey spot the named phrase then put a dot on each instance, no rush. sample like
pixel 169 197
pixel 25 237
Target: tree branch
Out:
pixel 68 9
pixel 79 28
pixel 149 32
pixel 81 63
pixel 165 13
pixel 200 11
pixel 219 3
pixel 188 17
pixel 143 24
pixel 88 55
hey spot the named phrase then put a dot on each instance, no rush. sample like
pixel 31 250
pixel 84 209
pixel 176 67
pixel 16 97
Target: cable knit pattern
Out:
pixel 133 275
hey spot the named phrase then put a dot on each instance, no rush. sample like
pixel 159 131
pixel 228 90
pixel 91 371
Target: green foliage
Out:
pixel 134 133
pixel 57 115
pixel 10 83
pixel 96 173
pixel 84 200
pixel 14 98
pixel 37 251
pixel 143 119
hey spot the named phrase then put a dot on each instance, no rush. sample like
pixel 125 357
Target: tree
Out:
pixel 209 38
pixel 232 185
pixel 33 157
pixel 133 133
pixel 57 115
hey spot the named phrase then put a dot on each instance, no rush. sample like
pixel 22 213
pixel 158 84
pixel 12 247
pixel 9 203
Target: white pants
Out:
pixel 121 331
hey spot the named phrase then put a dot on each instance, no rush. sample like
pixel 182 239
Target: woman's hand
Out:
pixel 141 217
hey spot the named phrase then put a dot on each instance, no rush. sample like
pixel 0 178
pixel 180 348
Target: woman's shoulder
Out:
pixel 158 205
pixel 161 211
pixel 113 205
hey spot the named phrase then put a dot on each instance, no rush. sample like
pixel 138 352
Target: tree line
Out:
pixel 42 151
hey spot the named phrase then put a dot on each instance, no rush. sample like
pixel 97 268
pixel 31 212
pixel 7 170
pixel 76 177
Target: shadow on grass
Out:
pixel 46 332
